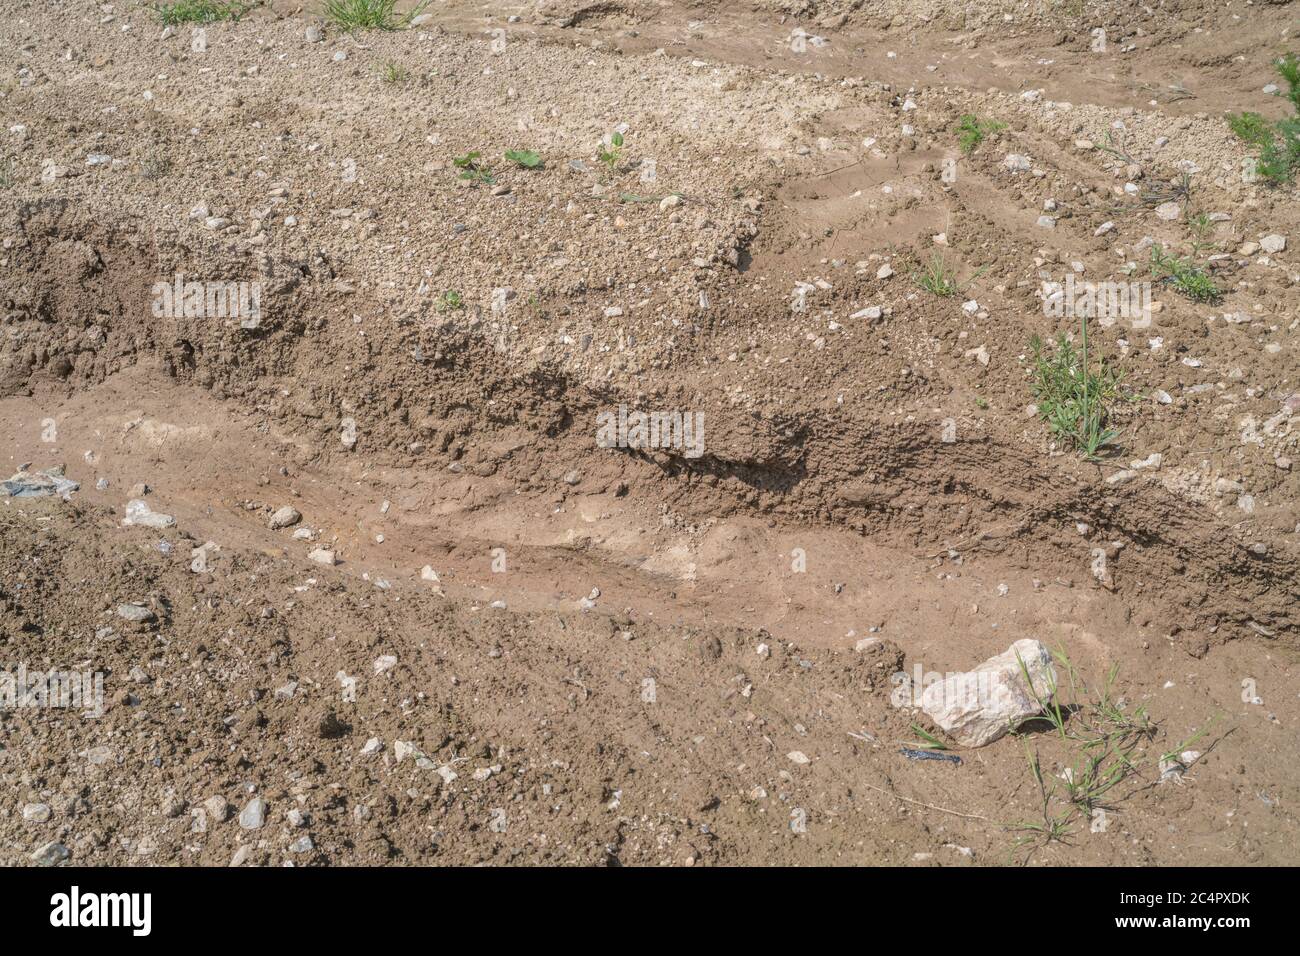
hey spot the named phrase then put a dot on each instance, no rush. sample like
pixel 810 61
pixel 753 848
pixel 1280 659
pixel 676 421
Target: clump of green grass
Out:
pixel 473 169
pixel 394 74
pixel 1105 742
pixel 971 131
pixel 1074 397
pixel 1278 143
pixel 526 158
pixel 354 15
pixel 937 278
pixel 1184 275
pixel 199 11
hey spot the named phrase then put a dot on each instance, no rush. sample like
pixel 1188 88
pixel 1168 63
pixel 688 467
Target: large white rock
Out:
pixel 979 706
pixel 285 517
pixel 138 512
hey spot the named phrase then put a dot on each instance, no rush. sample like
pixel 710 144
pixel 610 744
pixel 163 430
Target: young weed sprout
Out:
pixel 473 170
pixel 937 279
pixel 1050 827
pixel 928 740
pixel 611 154
pixel 1185 276
pixel 451 301
pixel 524 158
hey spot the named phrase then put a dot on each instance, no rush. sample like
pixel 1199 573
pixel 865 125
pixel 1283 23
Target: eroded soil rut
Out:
pixel 884 486
pixel 926 545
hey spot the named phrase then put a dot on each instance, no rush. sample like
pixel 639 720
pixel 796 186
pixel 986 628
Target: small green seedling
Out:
pixel 971 131
pixel 1176 754
pixel 526 158
pixel 611 154
pixel 394 74
pixel 928 740
pixel 1201 227
pixel 1052 827
pixel 473 170
pixel 451 301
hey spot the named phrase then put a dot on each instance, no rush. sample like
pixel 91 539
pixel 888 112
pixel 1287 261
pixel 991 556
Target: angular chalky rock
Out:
pixel 977 707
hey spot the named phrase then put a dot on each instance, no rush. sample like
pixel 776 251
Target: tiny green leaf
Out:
pixel 526 158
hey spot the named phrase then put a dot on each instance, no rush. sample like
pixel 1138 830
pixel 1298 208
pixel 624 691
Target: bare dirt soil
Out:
pixel 532 649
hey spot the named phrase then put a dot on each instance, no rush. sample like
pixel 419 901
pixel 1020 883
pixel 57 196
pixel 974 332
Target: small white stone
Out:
pixel 217 808
pixel 402 749
pixel 253 815
pixel 285 517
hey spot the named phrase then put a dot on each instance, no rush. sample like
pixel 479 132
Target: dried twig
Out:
pixel 928 806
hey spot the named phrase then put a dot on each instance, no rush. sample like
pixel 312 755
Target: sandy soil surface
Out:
pixel 411 609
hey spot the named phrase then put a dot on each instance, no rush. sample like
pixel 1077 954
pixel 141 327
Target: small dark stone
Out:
pixel 331 728
pixel 710 648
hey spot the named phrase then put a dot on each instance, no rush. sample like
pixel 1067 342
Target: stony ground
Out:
pixel 476 635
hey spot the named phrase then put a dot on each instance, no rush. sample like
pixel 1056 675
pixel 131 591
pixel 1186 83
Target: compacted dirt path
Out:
pixel 413 605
